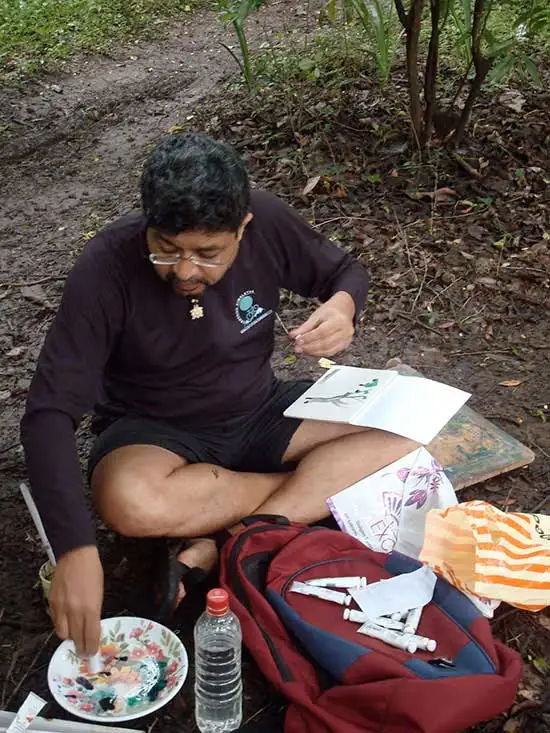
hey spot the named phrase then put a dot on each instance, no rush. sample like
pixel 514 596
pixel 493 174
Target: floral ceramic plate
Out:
pixel 144 666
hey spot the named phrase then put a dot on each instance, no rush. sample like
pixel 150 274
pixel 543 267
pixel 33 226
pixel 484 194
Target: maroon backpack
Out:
pixel 339 681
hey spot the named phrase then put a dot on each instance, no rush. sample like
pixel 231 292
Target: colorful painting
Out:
pixel 471 448
pixel 143 666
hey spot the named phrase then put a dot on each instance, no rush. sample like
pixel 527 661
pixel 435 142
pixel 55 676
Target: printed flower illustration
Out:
pixel 86 707
pixel 138 653
pixel 428 479
pixel 135 633
pixel 403 474
pixel 172 667
pixel 155 651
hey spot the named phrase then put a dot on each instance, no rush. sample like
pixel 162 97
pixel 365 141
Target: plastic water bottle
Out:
pixel 218 683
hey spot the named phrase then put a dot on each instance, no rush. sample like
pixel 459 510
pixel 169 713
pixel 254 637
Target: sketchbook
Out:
pixel 414 407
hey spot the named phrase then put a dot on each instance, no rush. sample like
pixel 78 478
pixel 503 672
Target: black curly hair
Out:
pixel 193 182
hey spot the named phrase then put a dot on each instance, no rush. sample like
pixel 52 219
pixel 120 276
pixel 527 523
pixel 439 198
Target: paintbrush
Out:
pixel 323 361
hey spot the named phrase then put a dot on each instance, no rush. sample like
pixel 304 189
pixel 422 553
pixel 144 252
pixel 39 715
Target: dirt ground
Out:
pixel 460 267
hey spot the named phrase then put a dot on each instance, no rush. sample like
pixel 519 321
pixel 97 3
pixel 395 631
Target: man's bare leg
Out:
pixel 147 491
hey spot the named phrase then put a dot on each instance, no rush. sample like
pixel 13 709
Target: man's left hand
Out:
pixel 329 329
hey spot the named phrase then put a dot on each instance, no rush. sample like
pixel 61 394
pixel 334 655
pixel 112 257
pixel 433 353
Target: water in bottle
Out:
pixel 218 684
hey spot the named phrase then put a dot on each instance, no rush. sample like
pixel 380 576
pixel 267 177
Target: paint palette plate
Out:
pixel 144 666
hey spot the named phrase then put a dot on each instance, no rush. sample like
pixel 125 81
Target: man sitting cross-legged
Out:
pixel 166 330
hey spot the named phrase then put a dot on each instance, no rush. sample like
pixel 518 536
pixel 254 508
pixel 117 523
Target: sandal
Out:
pixel 170 572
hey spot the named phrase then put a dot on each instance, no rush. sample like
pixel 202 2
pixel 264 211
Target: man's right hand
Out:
pixel 76 598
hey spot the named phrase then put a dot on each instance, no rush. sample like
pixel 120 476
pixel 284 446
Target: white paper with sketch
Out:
pixel 387 510
pixel 414 407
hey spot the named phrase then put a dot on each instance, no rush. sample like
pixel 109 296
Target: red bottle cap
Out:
pixel 217 602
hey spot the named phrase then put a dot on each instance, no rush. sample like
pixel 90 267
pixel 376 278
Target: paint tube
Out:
pixel 412 620
pixel 357 581
pixel 26 713
pixel 393 638
pixel 325 593
pixel 399 615
pixel 359 617
pixel 95 663
pixel 424 644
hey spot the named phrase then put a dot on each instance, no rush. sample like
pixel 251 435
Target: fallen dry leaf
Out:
pixel 447 324
pixel 16 351
pixel 512 99
pixel 513 725
pixel 36 294
pixel 310 185
pixel 290 359
pixel 510 383
pixel 505 502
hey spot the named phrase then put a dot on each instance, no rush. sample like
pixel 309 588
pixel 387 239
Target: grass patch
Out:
pixel 35 34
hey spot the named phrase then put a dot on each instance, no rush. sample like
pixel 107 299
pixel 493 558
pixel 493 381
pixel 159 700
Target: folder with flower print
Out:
pixel 414 407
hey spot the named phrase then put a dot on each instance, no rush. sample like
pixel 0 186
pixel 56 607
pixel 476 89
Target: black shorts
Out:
pixel 255 443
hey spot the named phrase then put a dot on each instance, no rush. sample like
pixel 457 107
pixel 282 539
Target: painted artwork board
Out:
pixel 471 448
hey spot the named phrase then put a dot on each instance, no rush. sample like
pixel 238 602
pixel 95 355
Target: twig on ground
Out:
pixel 465 165
pixel 480 353
pixel 418 322
pixel 28 671
pixel 41 281
pixel 339 218
pixel 544 453
pixel 422 283
pixel 539 505
pixel 506 615
pixel 8 448
pixel 7 678
pixel 153 724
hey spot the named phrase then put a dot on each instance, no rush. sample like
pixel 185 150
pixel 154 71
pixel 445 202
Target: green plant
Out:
pixel 379 21
pixel 235 12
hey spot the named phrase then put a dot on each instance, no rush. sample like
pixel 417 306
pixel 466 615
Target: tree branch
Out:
pixel 402 13
pixel 482 66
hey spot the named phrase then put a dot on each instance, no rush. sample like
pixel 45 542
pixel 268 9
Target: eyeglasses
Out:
pixel 173 259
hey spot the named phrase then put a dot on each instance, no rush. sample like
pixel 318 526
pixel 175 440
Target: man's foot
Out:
pixel 200 553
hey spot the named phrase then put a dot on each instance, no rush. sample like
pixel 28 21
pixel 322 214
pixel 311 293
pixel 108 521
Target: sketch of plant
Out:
pixel 360 393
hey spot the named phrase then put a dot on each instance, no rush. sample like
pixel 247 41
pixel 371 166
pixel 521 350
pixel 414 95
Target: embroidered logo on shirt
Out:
pixel 247 312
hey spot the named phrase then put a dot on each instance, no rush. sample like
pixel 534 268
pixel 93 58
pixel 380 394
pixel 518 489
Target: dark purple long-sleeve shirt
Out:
pixel 123 342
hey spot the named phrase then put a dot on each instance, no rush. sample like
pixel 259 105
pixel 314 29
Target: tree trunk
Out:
pixel 412 29
pixel 430 76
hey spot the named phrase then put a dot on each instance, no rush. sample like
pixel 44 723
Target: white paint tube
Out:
pixel 95 663
pixel 359 617
pixel 399 615
pixel 412 620
pixel 325 593
pixel 26 713
pixel 424 644
pixel 356 581
pixel 393 638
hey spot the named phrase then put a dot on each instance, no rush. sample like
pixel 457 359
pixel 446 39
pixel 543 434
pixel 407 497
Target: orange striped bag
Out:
pixel 492 554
